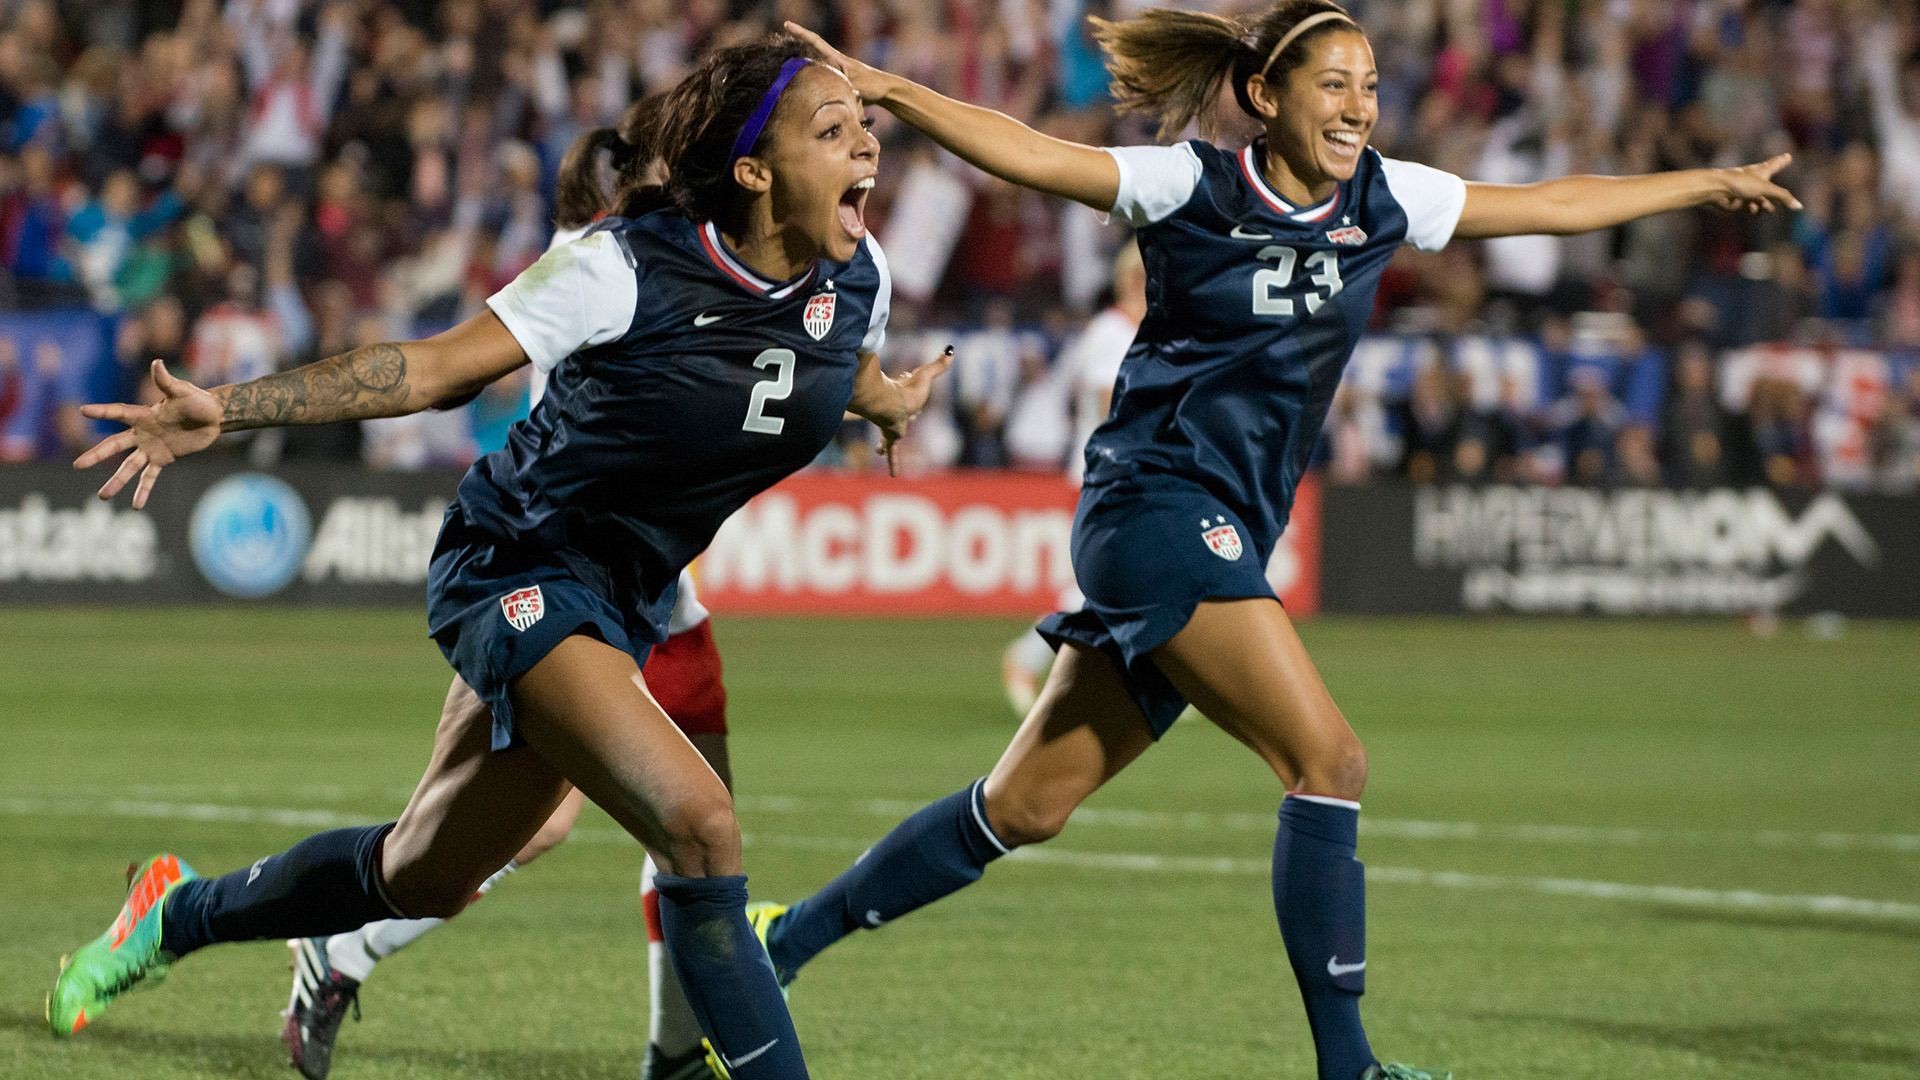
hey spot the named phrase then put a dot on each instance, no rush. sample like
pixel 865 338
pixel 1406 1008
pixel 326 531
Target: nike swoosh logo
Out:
pixel 707 320
pixel 1336 969
pixel 1240 233
pixel 734 1063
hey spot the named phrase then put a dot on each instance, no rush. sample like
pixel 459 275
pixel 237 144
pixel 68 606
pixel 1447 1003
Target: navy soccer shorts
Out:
pixel 497 610
pixel 1146 551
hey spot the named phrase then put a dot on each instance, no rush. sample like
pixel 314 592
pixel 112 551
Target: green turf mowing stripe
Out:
pixel 1738 899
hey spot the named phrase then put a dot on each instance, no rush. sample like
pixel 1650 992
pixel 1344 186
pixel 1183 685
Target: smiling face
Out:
pixel 816 163
pixel 1318 115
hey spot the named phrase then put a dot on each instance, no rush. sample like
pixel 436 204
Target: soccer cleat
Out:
pixel 318 1007
pixel 126 955
pixel 761 917
pixel 1396 1071
pixel 699 1063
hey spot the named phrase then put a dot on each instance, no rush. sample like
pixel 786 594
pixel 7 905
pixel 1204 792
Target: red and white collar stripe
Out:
pixel 717 251
pixel 1311 214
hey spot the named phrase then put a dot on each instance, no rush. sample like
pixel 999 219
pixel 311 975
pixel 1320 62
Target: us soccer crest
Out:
pixel 1221 539
pixel 1348 234
pixel 819 314
pixel 523 607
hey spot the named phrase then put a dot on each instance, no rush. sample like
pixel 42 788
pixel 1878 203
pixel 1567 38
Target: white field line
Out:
pixel 1740 899
pixel 1413 829
pixel 1391 828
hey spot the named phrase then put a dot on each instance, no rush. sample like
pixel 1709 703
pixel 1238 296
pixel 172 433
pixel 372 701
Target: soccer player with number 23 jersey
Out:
pixel 1261 269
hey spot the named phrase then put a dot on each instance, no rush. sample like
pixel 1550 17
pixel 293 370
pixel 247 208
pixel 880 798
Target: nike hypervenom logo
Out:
pixel 147 891
pixel 1336 969
pixel 704 319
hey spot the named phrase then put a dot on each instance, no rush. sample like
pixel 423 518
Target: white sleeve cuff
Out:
pixel 1155 181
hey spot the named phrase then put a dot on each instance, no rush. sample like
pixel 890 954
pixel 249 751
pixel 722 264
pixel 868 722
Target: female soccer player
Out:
pixel 764 305
pixel 683 673
pixel 1261 270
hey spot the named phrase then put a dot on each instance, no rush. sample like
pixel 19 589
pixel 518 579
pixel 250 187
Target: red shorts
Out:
pixel 683 672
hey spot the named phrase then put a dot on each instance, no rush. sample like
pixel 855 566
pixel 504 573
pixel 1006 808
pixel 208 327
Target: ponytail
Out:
pixel 580 196
pixel 1171 64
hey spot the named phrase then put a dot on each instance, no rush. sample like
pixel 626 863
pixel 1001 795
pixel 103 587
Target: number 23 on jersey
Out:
pixel 1268 284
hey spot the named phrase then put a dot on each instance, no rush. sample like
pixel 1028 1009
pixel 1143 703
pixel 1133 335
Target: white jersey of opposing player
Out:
pixel 687 612
pixel 1092 363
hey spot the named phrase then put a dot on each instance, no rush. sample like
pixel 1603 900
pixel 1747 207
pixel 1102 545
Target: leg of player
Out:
pixel 328 971
pixel 472 811
pixel 674 1051
pixel 586 709
pixel 1242 665
pixel 1083 729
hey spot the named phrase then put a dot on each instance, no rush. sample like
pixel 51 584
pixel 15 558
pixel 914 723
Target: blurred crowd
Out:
pixel 235 186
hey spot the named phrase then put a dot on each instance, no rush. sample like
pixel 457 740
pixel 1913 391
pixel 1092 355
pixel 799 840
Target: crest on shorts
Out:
pixel 1347 234
pixel 523 607
pixel 819 314
pixel 1221 538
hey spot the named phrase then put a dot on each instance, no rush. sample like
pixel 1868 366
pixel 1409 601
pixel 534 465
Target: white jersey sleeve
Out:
pixel 1154 181
pixel 1432 200
pixel 882 300
pixel 579 294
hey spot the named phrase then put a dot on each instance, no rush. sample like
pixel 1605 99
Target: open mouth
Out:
pixel 1345 143
pixel 853 208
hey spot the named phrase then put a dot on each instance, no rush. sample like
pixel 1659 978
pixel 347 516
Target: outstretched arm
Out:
pixel 995 142
pixel 388 379
pixel 1577 204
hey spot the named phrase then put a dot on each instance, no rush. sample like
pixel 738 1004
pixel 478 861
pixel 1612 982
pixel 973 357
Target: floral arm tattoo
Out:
pixel 370 381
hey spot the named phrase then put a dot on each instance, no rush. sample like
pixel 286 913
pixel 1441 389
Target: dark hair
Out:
pixel 1171 64
pixel 686 133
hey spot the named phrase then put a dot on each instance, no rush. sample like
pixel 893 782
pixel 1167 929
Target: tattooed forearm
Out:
pixel 368 382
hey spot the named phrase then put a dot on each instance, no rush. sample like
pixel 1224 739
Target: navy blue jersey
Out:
pixel 1253 306
pixel 679 385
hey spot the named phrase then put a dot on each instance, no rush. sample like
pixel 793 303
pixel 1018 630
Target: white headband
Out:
pixel 1299 28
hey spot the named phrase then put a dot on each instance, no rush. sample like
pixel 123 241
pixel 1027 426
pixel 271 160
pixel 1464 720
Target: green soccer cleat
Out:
pixel 123 957
pixel 1396 1071
pixel 761 917
pixel 698 1063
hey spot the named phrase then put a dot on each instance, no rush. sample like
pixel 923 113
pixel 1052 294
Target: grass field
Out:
pixel 1594 849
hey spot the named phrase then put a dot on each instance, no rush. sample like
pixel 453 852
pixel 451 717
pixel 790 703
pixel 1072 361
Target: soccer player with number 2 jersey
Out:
pixel 699 348
pixel 1261 270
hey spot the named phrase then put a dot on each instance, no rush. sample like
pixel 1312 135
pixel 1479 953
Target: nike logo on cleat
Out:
pixel 704 319
pixel 1336 969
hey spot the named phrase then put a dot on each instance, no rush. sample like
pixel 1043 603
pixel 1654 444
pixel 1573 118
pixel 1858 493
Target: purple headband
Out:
pixel 750 133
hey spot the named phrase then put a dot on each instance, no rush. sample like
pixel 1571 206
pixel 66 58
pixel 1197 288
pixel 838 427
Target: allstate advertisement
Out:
pixel 1493 549
pixel 213 532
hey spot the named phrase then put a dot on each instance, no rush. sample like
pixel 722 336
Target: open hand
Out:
pixel 870 83
pixel 915 389
pixel 186 420
pixel 1751 187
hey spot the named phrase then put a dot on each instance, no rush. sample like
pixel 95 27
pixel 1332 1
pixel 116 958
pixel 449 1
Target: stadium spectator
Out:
pixel 148 149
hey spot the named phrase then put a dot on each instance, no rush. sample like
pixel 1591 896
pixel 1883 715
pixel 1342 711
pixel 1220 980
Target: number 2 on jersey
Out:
pixel 1326 267
pixel 774 389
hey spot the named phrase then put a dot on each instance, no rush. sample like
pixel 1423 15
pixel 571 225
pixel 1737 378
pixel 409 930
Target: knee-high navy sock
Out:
pixel 942 848
pixel 727 977
pixel 328 883
pixel 1320 894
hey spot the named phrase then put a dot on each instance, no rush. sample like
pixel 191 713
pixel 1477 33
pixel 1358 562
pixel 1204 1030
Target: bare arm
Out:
pixel 1577 204
pixel 995 142
pixel 388 379
pixel 889 402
